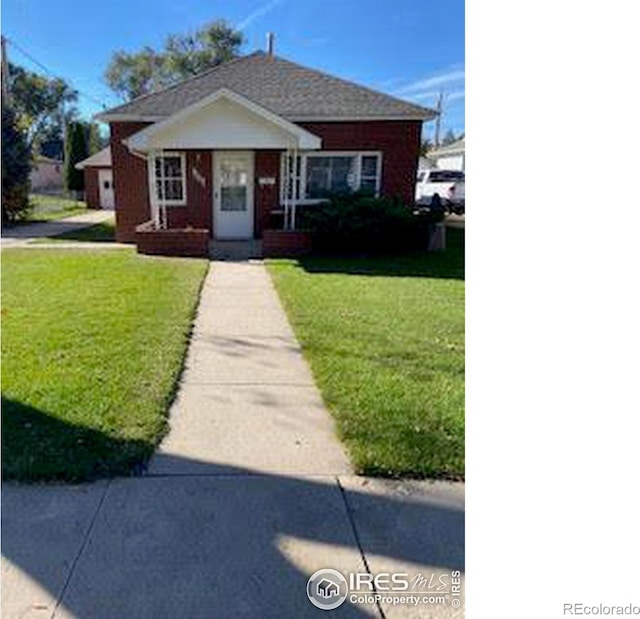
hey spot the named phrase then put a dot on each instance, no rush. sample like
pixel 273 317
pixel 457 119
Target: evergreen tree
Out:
pixel 95 140
pixel 75 150
pixel 16 165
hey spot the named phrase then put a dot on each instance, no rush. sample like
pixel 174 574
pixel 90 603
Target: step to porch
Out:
pixel 235 250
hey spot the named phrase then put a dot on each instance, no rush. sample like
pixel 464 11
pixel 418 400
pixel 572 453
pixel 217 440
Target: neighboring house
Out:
pixel 449 157
pixel 46 174
pixel 232 149
pixel 98 179
pixel 425 164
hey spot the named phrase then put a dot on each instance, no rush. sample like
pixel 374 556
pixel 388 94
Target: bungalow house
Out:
pixel 234 151
pixel 98 179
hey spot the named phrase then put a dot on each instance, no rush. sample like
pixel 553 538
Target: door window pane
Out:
pixel 233 199
pixel 233 186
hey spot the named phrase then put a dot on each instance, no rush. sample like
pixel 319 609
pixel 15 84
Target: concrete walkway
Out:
pixel 21 235
pixel 247 396
pixel 249 495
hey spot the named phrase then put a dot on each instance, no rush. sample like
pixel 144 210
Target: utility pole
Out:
pixel 6 92
pixel 436 139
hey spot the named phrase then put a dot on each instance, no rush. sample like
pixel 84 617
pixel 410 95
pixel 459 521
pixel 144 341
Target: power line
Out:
pixel 51 73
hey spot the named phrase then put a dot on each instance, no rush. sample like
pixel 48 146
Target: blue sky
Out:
pixel 409 48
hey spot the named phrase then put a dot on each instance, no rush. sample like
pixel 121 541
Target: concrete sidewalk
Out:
pixel 20 235
pixel 250 493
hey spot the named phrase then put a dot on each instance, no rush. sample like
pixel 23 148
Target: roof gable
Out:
pixel 101 159
pixel 224 119
pixel 287 89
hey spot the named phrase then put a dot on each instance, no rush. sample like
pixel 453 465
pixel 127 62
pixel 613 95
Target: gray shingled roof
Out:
pixel 283 87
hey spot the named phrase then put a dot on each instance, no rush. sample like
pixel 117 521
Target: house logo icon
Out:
pixel 327 589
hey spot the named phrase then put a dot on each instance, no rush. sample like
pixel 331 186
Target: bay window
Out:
pixel 317 175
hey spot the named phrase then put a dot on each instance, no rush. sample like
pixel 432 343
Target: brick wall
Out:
pixel 285 243
pixel 267 197
pixel 399 142
pixel 129 182
pixel 198 212
pixel 180 242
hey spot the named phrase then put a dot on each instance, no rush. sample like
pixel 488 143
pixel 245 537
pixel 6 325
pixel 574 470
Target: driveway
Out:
pixel 20 235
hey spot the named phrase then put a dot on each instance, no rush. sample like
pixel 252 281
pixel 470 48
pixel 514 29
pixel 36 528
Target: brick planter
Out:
pixel 285 243
pixel 173 241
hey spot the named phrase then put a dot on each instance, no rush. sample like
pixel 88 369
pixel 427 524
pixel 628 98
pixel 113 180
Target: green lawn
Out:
pixel 92 346
pixel 385 339
pixel 104 232
pixel 46 208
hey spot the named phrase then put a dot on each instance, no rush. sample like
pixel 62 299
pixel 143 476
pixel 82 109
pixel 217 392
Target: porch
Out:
pixel 215 173
pixel 196 242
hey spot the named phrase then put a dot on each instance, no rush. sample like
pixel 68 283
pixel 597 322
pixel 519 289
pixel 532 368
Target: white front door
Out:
pixel 105 182
pixel 233 194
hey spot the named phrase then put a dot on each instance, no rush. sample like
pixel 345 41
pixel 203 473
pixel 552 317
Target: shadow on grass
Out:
pixel 447 264
pixel 99 233
pixel 38 447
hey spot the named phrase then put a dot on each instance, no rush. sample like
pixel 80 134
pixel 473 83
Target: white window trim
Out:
pixel 152 177
pixel 329 153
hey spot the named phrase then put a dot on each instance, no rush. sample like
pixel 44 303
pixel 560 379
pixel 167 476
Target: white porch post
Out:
pixel 287 187
pixel 158 206
pixel 294 197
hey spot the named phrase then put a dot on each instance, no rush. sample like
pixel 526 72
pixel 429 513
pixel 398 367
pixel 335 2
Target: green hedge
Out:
pixel 363 224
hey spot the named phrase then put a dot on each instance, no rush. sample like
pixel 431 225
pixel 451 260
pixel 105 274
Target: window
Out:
pixel 443 176
pixel 169 178
pixel 327 175
pixel 369 173
pixel 319 174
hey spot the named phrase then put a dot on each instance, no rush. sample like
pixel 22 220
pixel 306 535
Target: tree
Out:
pixel 133 75
pixel 450 137
pixel 183 56
pixel 16 165
pixel 425 147
pixel 43 106
pixel 188 55
pixel 75 151
pixel 95 141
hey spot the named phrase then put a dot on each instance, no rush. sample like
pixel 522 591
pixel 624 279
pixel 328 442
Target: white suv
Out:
pixel 447 184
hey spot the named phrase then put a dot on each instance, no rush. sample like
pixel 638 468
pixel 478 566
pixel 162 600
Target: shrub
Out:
pixel 16 166
pixel 363 224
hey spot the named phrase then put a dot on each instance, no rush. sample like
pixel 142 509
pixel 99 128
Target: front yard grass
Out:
pixel 92 348
pixel 49 207
pixel 385 339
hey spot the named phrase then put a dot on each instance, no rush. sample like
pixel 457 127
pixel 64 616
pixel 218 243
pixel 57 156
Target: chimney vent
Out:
pixel 270 39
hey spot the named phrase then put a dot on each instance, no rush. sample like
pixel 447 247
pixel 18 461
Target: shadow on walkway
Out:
pixel 222 541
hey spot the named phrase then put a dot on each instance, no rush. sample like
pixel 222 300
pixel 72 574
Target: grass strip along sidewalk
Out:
pixel 385 339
